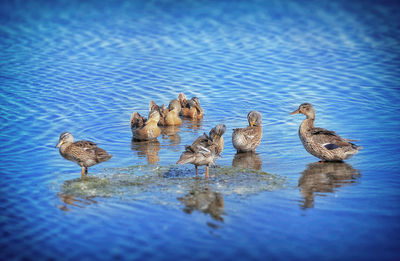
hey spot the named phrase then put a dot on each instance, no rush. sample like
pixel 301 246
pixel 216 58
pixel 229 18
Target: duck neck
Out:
pixel 64 146
pixel 175 112
pixel 151 122
pixel 306 126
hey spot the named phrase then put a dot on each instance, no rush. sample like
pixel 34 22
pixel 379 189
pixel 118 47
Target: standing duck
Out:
pixel 144 130
pixel 204 150
pixel 322 143
pixel 84 153
pixel 248 138
pixel 190 108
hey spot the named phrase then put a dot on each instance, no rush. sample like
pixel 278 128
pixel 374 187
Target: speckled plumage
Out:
pixel 322 143
pixel 168 116
pixel 190 108
pixel 205 149
pixel 84 153
pixel 143 129
pixel 247 139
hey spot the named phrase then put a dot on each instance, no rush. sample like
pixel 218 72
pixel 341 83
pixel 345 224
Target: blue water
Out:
pixel 85 66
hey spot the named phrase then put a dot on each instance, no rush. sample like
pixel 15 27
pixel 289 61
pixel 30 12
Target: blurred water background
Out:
pixel 85 66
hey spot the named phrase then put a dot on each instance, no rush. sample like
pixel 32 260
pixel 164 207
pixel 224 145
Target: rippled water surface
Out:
pixel 85 66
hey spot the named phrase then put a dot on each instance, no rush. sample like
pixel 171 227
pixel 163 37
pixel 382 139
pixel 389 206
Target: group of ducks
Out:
pixel 322 143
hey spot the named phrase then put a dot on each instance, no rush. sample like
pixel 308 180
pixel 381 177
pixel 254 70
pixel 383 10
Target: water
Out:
pixel 84 67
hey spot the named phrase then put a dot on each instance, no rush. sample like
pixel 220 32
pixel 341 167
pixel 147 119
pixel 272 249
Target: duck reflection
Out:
pixel 148 149
pixel 248 160
pixel 70 200
pixel 172 134
pixel 69 191
pixel 325 177
pixel 204 200
pixel 193 124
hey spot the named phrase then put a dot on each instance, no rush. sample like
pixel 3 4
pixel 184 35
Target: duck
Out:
pixel 204 150
pixel 84 153
pixel 190 108
pixel 322 143
pixel 145 130
pixel 168 116
pixel 216 135
pixel 247 139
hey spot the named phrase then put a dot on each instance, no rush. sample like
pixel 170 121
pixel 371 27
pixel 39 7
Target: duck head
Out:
pixel 306 109
pixel 182 99
pixel 218 130
pixel 65 137
pixel 195 102
pixel 254 118
pixel 174 105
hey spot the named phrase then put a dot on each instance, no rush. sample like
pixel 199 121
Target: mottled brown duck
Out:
pixel 216 135
pixel 168 116
pixel 142 129
pixel 247 139
pixel 204 150
pixel 84 153
pixel 190 108
pixel 322 143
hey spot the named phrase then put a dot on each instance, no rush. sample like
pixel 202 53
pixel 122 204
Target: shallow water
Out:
pixel 85 67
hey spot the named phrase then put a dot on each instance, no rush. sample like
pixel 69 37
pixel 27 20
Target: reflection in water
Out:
pixel 72 201
pixel 159 184
pixel 205 200
pixel 68 197
pixel 172 134
pixel 148 149
pixel 325 177
pixel 248 160
pixel 193 124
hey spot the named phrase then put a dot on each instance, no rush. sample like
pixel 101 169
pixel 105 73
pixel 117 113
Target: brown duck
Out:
pixel 322 143
pixel 84 153
pixel 168 116
pixel 143 129
pixel 190 108
pixel 248 138
pixel 205 149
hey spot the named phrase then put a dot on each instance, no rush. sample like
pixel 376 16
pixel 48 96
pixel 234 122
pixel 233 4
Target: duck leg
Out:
pixel 207 176
pixel 86 170
pixel 83 172
pixel 197 172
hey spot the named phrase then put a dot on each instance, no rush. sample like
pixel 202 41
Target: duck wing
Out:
pixel 91 149
pixel 246 135
pixel 200 150
pixel 329 139
pixel 85 144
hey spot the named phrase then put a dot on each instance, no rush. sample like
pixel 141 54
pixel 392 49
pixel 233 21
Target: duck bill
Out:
pixel 59 143
pixel 295 112
pixel 251 123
